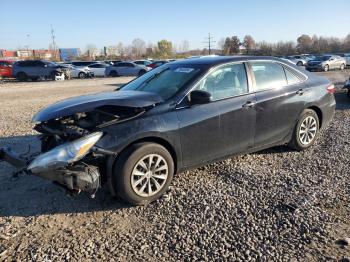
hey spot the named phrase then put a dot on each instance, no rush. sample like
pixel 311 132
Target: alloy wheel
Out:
pixel 308 130
pixel 149 175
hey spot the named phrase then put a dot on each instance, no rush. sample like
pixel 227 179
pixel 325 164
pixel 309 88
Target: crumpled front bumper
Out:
pixel 75 177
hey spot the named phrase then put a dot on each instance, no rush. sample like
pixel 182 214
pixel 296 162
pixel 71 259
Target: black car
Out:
pixel 176 117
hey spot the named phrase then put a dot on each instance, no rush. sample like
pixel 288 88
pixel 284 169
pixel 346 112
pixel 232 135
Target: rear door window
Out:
pixel 268 75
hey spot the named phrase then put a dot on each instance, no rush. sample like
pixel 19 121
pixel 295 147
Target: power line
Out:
pixel 209 42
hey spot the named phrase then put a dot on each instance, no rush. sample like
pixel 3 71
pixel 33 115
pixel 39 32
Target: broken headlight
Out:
pixel 64 154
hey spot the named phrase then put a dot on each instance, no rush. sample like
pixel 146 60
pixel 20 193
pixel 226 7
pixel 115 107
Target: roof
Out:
pixel 216 60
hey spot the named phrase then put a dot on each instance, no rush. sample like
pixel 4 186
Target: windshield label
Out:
pixel 183 70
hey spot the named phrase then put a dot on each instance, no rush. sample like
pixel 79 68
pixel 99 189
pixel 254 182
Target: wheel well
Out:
pixel 318 112
pixel 161 142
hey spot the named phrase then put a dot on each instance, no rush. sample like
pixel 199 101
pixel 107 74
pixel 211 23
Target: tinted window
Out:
pixel 268 75
pixel 291 78
pixel 164 81
pixel 226 81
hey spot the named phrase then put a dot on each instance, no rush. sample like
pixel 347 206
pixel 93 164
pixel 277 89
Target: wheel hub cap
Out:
pixel 149 175
pixel 308 130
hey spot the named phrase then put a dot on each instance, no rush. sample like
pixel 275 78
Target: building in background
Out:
pixel 69 54
pixel 25 54
pixel 8 55
pixel 111 51
pixel 45 54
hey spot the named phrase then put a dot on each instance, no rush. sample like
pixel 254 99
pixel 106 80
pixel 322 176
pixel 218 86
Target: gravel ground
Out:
pixel 274 205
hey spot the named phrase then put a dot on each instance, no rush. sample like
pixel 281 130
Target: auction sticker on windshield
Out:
pixel 183 70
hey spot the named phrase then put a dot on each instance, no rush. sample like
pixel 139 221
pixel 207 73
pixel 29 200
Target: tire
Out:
pixel 342 66
pixel 81 75
pixel 131 179
pixel 142 72
pixel 34 79
pixel 113 73
pixel 348 93
pixel 300 63
pixel 21 76
pixel 308 119
pixel 326 68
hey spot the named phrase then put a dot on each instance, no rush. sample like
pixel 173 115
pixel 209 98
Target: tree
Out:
pixel 249 44
pixel 221 45
pixel 120 49
pixel 304 43
pixel 185 46
pixel 231 45
pixel 91 50
pixel 138 47
pixel 165 48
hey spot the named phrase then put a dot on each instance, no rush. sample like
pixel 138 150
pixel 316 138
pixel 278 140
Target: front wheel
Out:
pixel 342 66
pixel 82 75
pixel 300 63
pixel 143 173
pixel 305 131
pixel 326 68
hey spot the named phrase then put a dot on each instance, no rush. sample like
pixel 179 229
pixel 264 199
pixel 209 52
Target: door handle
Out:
pixel 249 104
pixel 300 92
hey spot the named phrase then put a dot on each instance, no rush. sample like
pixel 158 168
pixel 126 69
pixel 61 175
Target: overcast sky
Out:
pixel 106 22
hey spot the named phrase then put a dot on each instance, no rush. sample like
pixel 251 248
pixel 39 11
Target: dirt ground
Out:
pixel 39 222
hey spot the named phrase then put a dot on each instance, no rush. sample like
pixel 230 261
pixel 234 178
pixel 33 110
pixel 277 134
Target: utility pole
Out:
pixel 209 42
pixel 53 41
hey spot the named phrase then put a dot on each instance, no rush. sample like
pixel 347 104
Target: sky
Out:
pixel 78 23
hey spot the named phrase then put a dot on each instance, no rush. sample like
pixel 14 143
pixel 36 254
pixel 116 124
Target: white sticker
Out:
pixel 183 70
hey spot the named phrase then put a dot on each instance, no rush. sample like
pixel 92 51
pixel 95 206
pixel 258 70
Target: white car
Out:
pixel 79 72
pixel 98 69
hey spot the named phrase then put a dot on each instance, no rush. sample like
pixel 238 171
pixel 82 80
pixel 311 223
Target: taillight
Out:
pixel 331 89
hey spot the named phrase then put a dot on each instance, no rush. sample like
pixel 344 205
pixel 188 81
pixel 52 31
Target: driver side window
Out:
pixel 225 82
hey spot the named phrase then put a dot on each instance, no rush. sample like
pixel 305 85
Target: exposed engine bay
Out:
pixel 69 131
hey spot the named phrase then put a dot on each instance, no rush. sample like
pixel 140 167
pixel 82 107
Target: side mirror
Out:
pixel 198 97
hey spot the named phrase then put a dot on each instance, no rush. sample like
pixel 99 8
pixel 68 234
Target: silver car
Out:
pixel 346 56
pixel 299 60
pixel 126 69
pixel 326 62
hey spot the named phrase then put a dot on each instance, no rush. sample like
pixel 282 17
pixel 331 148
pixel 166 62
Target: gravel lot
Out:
pixel 274 205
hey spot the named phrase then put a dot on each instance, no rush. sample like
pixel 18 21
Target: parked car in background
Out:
pixel 78 72
pixel 326 62
pixel 6 68
pixel 346 56
pixel 112 62
pixel 158 63
pixel 126 69
pixel 176 117
pixel 35 69
pixel 82 63
pixel 142 62
pixel 297 61
pixel 98 68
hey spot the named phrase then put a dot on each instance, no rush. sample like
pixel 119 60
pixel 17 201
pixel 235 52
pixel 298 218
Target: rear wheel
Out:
pixel 326 68
pixel 305 131
pixel 143 173
pixel 21 76
pixel 342 66
pixel 299 63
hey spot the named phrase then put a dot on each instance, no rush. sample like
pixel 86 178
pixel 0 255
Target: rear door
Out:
pixel 279 94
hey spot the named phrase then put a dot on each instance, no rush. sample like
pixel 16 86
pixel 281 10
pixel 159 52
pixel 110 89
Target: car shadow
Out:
pixel 27 195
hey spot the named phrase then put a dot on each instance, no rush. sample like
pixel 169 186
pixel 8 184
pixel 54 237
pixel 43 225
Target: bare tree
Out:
pixel 231 45
pixel 139 47
pixel 221 44
pixel 249 43
pixel 185 46
pixel 91 50
pixel 304 43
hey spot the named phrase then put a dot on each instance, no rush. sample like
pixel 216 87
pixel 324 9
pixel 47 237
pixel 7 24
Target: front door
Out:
pixel 223 126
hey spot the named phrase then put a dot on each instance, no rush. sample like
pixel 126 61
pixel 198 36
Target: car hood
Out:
pixel 86 103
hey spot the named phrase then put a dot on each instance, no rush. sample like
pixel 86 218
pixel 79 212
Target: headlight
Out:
pixel 64 154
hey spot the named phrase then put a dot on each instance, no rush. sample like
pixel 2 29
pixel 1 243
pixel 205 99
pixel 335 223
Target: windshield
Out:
pixel 322 58
pixel 165 80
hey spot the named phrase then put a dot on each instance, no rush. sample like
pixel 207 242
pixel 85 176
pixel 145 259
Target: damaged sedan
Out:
pixel 176 117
